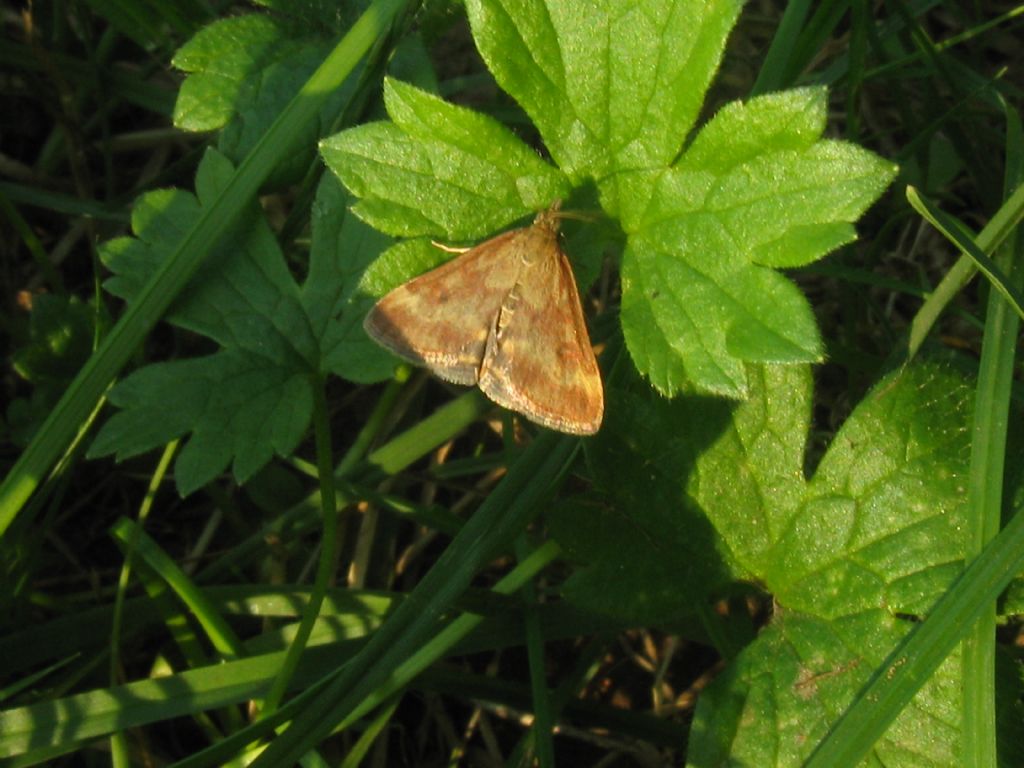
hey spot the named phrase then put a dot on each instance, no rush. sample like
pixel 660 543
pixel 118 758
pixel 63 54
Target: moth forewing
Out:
pixel 539 361
pixel 441 319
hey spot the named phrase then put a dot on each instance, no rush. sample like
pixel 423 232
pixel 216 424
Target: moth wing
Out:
pixel 442 318
pixel 539 361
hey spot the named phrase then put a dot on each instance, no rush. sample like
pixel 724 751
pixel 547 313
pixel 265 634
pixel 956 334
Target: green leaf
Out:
pixel 678 316
pixel 698 492
pixel 252 399
pixel 614 89
pixel 666 465
pixel 246 298
pixel 881 520
pixel 239 409
pixel 757 189
pixel 785 691
pixel 334 295
pixel 439 169
pixel 220 60
pixel 73 409
pixel 611 85
pixel 241 73
pixel 748 476
pixel 872 536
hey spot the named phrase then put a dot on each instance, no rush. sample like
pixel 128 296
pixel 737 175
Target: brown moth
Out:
pixel 505 316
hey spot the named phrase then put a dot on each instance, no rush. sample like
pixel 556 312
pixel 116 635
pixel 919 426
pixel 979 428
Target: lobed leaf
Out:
pixel 239 408
pixel 220 60
pixel 439 169
pixel 698 299
pixel 611 85
pixel 252 399
pixel 873 536
pixel 685 321
pixel 244 297
pixel 242 71
pixel 614 89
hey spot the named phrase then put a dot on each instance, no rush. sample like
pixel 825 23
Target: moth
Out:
pixel 504 316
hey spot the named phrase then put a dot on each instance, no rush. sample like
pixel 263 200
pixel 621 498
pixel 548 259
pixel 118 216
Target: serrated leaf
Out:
pixel 252 399
pixel 219 59
pixel 611 85
pixel 239 409
pixel 697 297
pixel 242 71
pixel 439 169
pixel 614 88
pixel 243 298
pixel 343 249
pixel 691 321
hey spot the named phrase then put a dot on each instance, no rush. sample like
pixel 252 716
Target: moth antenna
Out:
pixel 448 248
pixel 576 215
